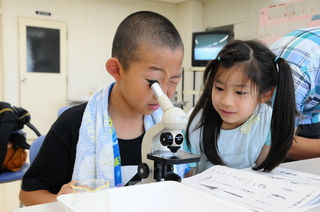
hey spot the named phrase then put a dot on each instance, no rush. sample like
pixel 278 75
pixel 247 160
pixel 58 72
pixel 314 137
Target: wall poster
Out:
pixel 278 20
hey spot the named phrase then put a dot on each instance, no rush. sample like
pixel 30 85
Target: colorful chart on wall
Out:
pixel 278 20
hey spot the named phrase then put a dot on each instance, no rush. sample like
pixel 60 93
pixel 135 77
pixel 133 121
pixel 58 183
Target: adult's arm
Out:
pixel 304 148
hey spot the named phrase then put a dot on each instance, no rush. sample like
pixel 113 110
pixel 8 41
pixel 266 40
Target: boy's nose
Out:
pixel 169 91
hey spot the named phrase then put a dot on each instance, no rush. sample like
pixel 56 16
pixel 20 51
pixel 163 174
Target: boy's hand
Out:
pixel 190 172
pixel 66 188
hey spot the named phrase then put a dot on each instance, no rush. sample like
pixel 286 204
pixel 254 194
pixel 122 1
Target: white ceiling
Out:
pixel 173 1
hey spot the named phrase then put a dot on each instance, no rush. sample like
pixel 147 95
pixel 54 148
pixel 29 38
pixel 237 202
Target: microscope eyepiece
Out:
pixel 151 82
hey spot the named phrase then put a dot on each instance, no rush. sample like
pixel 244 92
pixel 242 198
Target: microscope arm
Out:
pixel 151 135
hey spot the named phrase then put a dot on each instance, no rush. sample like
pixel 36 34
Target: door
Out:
pixel 43 71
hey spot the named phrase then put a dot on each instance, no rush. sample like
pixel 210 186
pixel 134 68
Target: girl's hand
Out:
pixel 66 188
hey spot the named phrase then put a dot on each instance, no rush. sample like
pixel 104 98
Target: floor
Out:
pixel 9 199
pixel 9 194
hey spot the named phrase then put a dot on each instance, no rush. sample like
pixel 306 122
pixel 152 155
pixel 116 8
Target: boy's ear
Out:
pixel 267 96
pixel 114 68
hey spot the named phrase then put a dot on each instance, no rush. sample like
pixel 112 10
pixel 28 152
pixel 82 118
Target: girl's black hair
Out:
pixel 266 71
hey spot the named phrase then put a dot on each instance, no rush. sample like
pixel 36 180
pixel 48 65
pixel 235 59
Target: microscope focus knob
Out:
pixel 172 176
pixel 179 139
pixel 143 170
pixel 166 139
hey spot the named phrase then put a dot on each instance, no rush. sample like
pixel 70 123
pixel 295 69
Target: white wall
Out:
pixel 243 14
pixel 91 26
pixel 189 20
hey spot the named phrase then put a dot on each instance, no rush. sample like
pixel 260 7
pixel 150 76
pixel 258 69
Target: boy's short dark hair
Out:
pixel 143 29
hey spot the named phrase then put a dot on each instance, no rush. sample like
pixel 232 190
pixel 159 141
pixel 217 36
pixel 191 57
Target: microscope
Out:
pixel 160 149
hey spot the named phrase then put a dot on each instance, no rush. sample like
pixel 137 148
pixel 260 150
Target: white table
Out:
pixel 311 166
pixel 48 207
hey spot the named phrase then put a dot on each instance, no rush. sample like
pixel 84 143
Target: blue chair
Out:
pixel 37 143
pixel 13 176
pixel 10 176
pixel 35 147
pixel 7 177
pixel 61 110
pixel 17 175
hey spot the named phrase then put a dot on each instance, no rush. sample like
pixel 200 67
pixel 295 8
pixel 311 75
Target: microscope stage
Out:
pixel 167 157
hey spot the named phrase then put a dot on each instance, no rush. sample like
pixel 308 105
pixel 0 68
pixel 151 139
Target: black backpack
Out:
pixel 12 121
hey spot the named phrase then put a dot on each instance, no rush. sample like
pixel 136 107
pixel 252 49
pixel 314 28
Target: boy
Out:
pixel 87 140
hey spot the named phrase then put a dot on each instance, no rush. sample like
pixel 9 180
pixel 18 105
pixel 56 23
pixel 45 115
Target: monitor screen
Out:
pixel 206 45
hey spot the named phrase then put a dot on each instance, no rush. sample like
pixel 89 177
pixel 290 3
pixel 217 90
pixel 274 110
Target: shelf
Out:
pixel 193 69
pixel 194 92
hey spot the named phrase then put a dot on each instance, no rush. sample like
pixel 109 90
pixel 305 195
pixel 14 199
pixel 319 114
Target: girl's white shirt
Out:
pixel 240 147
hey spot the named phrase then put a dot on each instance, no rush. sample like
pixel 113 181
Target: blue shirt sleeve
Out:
pixel 187 149
pixel 268 141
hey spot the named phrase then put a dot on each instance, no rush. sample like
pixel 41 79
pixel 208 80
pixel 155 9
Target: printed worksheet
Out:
pixel 281 190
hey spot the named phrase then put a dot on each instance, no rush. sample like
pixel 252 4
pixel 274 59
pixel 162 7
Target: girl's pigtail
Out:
pixel 211 121
pixel 283 117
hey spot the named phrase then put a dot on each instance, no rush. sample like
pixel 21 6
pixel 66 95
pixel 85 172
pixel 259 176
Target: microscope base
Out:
pixel 162 168
pixel 164 161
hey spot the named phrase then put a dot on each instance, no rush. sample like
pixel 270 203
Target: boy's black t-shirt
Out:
pixel 54 163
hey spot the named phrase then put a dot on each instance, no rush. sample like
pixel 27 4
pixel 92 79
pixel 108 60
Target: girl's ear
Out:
pixel 266 96
pixel 114 68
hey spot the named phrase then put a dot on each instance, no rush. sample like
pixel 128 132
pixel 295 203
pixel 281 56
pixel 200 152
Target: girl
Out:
pixel 231 124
